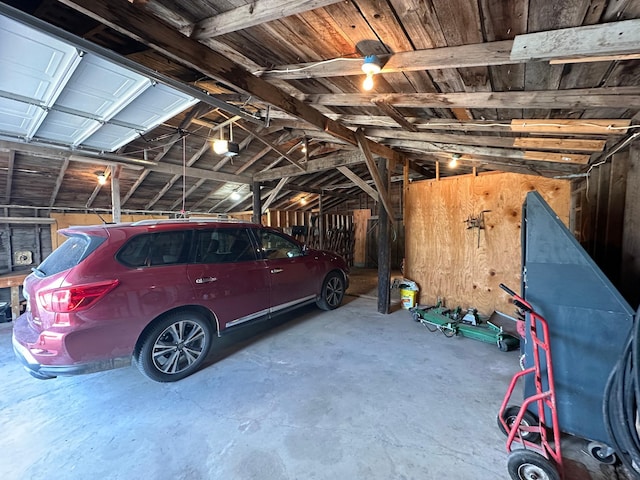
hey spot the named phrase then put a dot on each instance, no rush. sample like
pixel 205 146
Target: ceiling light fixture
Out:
pixel 454 160
pixel 234 196
pixel 102 178
pixel 370 67
pixel 226 147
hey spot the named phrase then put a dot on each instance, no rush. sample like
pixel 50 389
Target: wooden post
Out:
pixel 437 170
pixel 320 223
pixel 115 193
pixel 405 187
pixel 384 248
pixel 256 217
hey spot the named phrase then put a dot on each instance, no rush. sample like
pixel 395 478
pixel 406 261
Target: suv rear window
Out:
pixel 164 248
pixel 75 249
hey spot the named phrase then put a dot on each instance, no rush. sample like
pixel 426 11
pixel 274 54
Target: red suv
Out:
pixel 158 291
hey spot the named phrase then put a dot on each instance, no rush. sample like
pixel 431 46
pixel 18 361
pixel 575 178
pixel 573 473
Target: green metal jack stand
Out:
pixel 437 318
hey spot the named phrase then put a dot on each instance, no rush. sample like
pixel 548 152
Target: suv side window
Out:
pixel 149 249
pixel 275 246
pixel 224 245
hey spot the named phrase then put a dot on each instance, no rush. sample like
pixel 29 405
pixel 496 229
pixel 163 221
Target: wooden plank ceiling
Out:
pixel 546 87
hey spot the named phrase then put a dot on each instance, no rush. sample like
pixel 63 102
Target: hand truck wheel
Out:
pixel 602 453
pixel 528 420
pixel 529 465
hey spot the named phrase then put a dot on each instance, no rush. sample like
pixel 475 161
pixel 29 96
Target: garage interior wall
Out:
pixel 606 209
pixel 464 266
pixel 64 220
pixel 630 269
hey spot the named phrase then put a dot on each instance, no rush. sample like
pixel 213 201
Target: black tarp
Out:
pixel 589 321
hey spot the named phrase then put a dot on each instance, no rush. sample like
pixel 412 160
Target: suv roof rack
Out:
pixel 189 220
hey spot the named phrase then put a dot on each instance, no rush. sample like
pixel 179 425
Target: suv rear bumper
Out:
pixel 44 372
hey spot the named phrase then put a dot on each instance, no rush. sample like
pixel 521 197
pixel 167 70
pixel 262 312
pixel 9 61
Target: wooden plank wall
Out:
pixel 360 221
pixel 630 274
pixel 443 256
pixel 607 210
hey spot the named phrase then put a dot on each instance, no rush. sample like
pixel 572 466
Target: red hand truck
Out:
pixel 539 454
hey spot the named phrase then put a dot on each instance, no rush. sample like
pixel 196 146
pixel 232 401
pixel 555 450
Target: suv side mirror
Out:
pixel 305 249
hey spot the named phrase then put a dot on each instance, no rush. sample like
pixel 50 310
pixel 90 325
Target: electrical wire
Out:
pixel 621 402
pixel 306 67
pixel 609 155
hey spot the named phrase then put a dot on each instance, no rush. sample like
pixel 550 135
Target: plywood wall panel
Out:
pixel 64 220
pixel 360 222
pixel 443 255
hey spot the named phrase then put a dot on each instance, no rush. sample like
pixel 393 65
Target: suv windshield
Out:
pixel 69 254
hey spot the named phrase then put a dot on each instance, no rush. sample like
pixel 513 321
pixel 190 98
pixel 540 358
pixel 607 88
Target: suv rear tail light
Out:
pixel 75 298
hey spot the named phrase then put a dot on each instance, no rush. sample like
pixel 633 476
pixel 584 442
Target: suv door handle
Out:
pixel 205 280
pixel 276 270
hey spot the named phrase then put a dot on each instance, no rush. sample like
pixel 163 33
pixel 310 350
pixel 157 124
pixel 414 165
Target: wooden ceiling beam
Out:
pixel 536 143
pixel 134 22
pixel 614 38
pixel 580 98
pixel 313 166
pixel 307 189
pixel 474 55
pixel 584 126
pixel 252 14
pixel 451 148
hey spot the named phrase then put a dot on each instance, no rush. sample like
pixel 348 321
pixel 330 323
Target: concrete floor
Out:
pixel 349 394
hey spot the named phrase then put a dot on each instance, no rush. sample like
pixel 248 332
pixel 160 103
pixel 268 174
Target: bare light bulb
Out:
pixel 102 178
pixel 235 196
pixel 453 163
pixel 368 82
pixel 220 146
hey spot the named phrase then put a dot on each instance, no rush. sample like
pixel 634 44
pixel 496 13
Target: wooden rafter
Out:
pixel 351 175
pixel 56 188
pixel 96 190
pixel 393 112
pixel 274 193
pixel 581 98
pixel 252 14
pixel 134 22
pixel 375 174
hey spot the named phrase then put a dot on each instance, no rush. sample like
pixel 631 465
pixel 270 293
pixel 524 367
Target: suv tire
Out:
pixel 174 346
pixel 332 292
